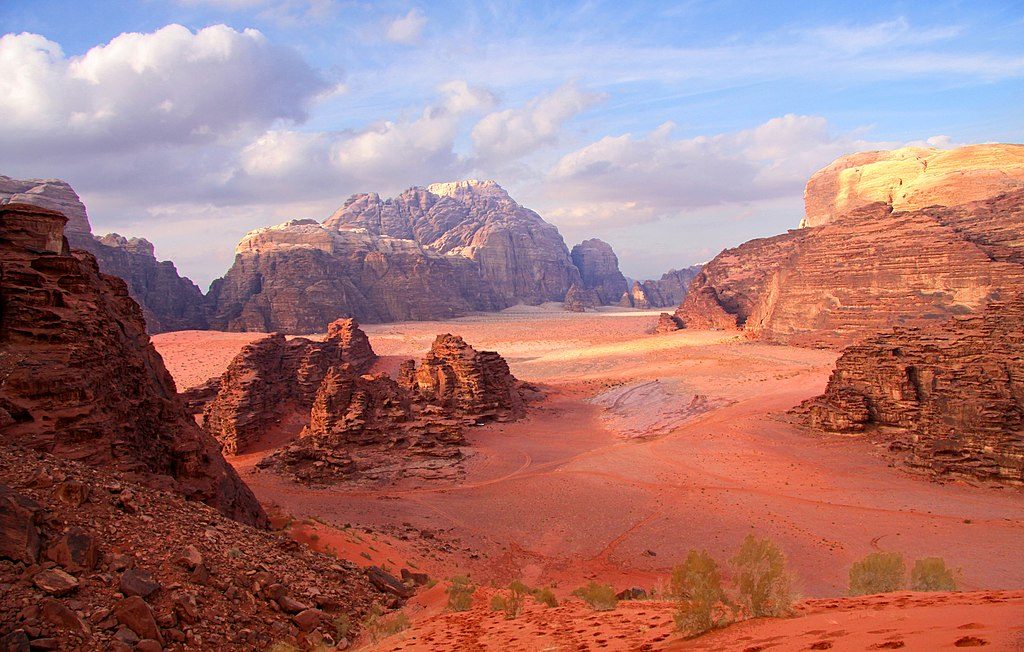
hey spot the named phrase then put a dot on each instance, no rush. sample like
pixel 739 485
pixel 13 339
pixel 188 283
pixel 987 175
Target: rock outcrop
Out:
pixel 578 299
pixel 667 291
pixel 599 269
pixel 667 323
pixel 913 178
pixel 273 381
pixel 430 253
pixel 169 302
pixel 80 379
pixel 129 567
pixel 864 272
pixel 949 397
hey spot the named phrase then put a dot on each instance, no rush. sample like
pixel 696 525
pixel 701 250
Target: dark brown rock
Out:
pixel 76 550
pixel 82 379
pixel 19 526
pixel 949 396
pixel 138 582
pixel 387 582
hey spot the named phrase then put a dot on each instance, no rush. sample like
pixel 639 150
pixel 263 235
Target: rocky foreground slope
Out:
pixel 80 379
pixel 169 302
pixel 91 561
pixel 949 399
pixel 866 266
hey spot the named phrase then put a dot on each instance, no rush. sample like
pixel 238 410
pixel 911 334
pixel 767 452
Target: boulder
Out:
pixel 19 526
pixel 55 581
pixel 138 582
pixel 599 270
pixel 75 550
pixel 136 615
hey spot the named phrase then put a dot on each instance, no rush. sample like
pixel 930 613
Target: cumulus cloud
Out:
pixel 168 86
pixel 407 29
pixel 657 175
pixel 509 134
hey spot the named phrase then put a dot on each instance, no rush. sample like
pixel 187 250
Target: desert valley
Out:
pixel 426 421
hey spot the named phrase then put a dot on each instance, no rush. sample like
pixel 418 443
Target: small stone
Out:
pixel 190 558
pixel 57 614
pixel 308 619
pixel 16 641
pixel 134 613
pixel 291 605
pixel 72 493
pixel 45 644
pixel 138 582
pixel 76 550
pixel 148 645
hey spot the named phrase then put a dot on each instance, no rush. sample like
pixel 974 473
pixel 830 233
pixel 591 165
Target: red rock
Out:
pixel 19 526
pixel 55 581
pixel 948 395
pixel 138 582
pixel 149 645
pixel 308 619
pixel 83 379
pixel 76 550
pixel 136 615
pixel 474 383
pixel 72 493
pixel 387 582
pixel 667 323
pixel 57 614
pixel 290 605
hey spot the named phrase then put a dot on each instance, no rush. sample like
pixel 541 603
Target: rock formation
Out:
pixel 273 380
pixel 169 302
pixel 864 272
pixel 80 379
pixel 950 395
pixel 579 300
pixel 913 178
pixel 127 567
pixel 667 323
pixel 430 253
pixel 599 269
pixel 669 290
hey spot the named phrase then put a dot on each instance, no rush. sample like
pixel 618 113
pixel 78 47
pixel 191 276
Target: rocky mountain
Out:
pixel 430 253
pixel 91 561
pixel 599 269
pixel 80 379
pixel 169 302
pixel 868 269
pixel 949 397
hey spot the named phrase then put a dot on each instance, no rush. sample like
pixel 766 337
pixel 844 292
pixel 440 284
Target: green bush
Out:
pixel 763 584
pixel 460 593
pixel 879 572
pixel 511 604
pixel 379 625
pixel 697 585
pixel 342 627
pixel 932 574
pixel 600 597
pixel 545 596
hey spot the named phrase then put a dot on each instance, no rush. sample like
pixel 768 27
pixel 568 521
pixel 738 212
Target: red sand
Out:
pixel 564 496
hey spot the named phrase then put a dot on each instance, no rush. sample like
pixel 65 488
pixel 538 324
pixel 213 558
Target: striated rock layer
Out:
pixel 80 379
pixel 950 395
pixel 169 302
pixel 430 253
pixel 913 178
pixel 599 270
pixel 273 379
pixel 864 272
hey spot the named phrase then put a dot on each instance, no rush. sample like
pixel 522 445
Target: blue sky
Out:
pixel 671 130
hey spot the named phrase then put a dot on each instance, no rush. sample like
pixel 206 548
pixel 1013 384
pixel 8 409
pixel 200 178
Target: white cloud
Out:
pixel 897 32
pixel 657 175
pixel 407 29
pixel 168 86
pixel 509 134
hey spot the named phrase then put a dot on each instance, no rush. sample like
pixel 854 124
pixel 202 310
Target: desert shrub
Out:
pixel 600 597
pixel 763 584
pixel 342 627
pixel 460 593
pixel 932 574
pixel 697 585
pixel 512 603
pixel 545 596
pixel 380 625
pixel 879 572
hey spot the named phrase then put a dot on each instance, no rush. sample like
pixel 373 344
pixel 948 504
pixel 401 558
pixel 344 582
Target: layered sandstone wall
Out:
pixel 80 379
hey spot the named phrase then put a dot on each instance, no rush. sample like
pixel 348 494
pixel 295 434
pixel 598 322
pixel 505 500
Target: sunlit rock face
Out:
pixel 876 265
pixel 912 178
pixel 430 253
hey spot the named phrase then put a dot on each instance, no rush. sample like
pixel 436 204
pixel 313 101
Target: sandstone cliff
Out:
pixel 667 291
pixel 913 178
pixel 864 271
pixel 169 302
pixel 599 269
pixel 80 377
pixel 951 395
pixel 430 253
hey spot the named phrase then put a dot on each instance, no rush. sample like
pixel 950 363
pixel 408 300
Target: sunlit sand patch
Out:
pixel 651 408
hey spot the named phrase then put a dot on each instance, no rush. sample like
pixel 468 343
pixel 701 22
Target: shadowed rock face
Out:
pixel 169 302
pixel 81 379
pixel 599 269
pixel 950 395
pixel 430 253
pixel 913 178
pixel 275 379
pixel 669 290
pixel 579 300
pixel 863 273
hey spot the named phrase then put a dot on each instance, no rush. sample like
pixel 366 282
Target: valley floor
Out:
pixel 644 446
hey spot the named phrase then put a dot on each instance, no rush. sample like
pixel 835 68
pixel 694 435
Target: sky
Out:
pixel 669 130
